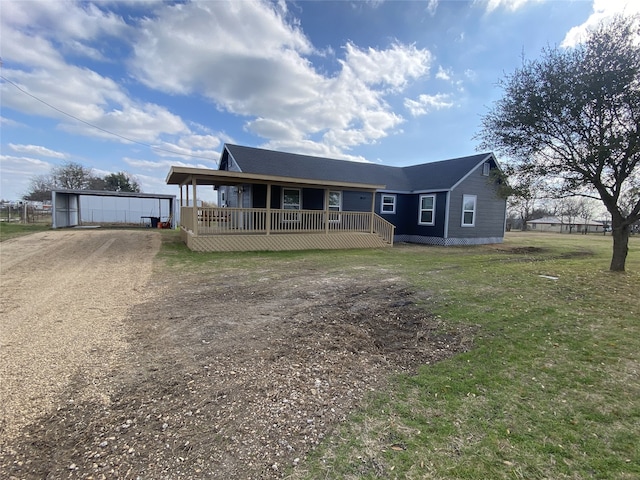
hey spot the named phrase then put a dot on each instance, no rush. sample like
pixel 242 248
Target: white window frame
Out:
pixel 473 211
pixel 333 217
pixel 392 203
pixel 432 210
pixel 486 168
pixel 291 217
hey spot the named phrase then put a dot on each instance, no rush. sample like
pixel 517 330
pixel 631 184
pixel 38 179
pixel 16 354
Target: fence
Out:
pixel 24 213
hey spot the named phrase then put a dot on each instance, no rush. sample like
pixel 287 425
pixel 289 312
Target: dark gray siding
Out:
pixel 312 199
pixel 490 209
pixel 356 201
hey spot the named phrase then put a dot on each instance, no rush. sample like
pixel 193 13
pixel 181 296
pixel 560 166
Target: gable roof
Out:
pixel 442 175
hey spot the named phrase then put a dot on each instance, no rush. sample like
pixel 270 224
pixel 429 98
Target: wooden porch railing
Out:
pixel 230 221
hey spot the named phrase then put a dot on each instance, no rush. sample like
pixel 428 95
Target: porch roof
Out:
pixel 206 176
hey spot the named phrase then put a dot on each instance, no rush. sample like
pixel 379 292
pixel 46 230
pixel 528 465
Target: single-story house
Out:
pixel 565 224
pixel 269 200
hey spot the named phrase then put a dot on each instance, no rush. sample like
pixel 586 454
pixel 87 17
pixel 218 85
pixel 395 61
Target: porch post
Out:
pixel 195 208
pixel 268 219
pixel 373 210
pixel 326 211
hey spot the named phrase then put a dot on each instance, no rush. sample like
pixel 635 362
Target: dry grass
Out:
pixel 551 389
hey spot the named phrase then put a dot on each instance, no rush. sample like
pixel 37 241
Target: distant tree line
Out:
pixel 74 176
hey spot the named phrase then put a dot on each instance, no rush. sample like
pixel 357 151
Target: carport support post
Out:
pixel 53 211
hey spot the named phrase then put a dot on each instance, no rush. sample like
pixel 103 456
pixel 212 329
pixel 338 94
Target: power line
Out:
pixel 153 147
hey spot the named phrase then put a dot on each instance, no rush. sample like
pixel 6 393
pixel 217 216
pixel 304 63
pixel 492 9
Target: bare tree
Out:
pixel 72 176
pixel 40 187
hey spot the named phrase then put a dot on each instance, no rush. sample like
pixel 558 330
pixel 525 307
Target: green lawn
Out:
pixel 551 389
pixel 12 230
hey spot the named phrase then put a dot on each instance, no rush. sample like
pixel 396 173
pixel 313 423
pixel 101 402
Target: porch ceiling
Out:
pixel 205 176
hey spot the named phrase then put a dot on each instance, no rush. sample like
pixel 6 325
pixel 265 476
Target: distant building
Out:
pixel 564 224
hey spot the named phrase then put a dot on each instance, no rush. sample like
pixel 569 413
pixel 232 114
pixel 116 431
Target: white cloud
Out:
pixel 24 165
pixel 511 5
pixel 86 97
pixel 16 174
pixel 249 58
pixel 36 150
pixel 432 6
pixel 254 64
pixel 54 86
pixel 70 24
pixel 8 122
pixel 602 10
pixel 187 150
pixel 443 74
pixel 226 43
pixel 427 103
pixel 470 75
pixel 161 165
pixel 393 67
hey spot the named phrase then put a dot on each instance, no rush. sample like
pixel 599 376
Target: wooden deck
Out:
pixel 252 229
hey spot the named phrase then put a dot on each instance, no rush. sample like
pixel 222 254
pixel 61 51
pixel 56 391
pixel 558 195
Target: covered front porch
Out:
pixel 267 228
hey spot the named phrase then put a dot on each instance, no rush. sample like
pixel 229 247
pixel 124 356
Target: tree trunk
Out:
pixel 620 247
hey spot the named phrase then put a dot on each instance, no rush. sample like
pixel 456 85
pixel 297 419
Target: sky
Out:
pixel 139 86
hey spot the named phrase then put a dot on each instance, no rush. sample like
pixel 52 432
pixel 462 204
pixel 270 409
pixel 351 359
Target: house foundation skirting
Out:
pixel 446 242
pixel 277 242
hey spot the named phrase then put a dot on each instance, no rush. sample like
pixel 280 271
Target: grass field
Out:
pixel 551 389
pixel 12 230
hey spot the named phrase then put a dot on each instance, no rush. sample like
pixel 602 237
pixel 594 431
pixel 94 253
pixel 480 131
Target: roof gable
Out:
pixel 442 175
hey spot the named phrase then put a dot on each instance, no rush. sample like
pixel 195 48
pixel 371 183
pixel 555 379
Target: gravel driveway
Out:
pixel 114 366
pixel 64 297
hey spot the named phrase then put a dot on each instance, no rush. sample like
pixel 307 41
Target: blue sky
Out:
pixel 138 86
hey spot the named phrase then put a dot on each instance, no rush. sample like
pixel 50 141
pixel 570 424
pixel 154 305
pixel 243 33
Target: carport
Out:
pixel 123 207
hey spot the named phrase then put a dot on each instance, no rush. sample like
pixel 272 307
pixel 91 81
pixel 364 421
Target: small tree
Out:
pixel 573 118
pixel 121 182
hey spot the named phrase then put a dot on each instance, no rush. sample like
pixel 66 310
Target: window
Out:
pixel 388 204
pixel 468 210
pixel 486 167
pixel 427 214
pixel 335 205
pixel 291 200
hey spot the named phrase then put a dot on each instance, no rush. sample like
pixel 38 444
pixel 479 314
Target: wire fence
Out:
pixel 24 213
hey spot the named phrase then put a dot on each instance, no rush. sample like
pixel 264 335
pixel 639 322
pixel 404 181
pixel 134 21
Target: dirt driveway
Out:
pixel 104 373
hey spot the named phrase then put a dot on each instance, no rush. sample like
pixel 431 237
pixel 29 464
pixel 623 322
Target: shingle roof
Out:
pixel 441 175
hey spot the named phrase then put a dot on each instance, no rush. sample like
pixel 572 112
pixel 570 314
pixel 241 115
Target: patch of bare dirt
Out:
pixel 230 375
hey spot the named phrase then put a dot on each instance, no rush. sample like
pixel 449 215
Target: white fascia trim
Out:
pixel 429 192
pixel 393 192
pixel 233 162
